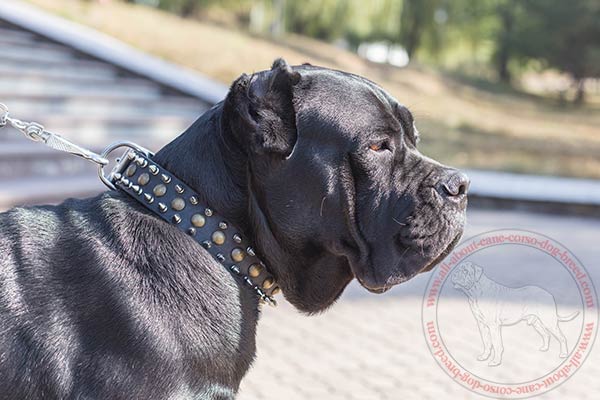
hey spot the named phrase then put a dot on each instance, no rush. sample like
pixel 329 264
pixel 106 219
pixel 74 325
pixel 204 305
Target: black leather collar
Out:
pixel 172 200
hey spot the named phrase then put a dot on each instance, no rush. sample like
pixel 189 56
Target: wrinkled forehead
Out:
pixel 349 102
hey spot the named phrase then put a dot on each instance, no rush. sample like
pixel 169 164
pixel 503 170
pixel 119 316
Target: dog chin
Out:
pixel 373 288
pixel 396 279
pixel 443 254
pixel 379 287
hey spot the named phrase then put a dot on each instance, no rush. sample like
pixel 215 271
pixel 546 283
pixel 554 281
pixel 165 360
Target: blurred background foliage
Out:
pixel 510 85
pixel 492 39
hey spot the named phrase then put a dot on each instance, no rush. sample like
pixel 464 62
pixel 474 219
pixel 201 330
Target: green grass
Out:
pixel 464 121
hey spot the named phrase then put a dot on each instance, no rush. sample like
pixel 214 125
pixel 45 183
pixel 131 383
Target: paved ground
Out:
pixel 373 347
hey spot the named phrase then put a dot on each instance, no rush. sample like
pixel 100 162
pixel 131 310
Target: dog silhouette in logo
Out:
pixel 494 306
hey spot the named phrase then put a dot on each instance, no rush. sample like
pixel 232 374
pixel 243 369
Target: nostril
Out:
pixel 457 184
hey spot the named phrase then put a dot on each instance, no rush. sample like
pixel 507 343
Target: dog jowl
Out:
pixel 100 298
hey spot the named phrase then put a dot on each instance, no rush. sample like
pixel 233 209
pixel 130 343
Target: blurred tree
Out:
pixel 416 18
pixel 505 10
pixel 563 34
pixel 185 8
pixel 188 8
pixel 477 37
pixel 322 19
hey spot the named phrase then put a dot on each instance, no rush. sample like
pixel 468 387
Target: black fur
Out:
pixel 101 300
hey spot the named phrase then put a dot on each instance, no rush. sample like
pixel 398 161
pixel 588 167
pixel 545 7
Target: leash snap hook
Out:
pixel 35 132
pixel 3 115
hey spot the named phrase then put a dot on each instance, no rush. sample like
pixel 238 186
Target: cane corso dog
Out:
pixel 494 305
pixel 100 299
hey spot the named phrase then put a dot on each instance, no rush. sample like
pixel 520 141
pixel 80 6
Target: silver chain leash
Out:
pixel 37 133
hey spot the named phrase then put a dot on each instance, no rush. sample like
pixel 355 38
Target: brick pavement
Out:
pixel 373 347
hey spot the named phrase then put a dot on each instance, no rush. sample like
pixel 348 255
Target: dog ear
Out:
pixel 477 272
pixel 259 109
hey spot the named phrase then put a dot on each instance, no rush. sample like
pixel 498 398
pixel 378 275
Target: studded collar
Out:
pixel 173 201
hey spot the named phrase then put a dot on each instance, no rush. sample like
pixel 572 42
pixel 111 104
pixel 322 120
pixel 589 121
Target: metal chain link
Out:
pixel 37 133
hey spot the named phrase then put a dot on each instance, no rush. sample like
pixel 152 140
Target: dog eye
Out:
pixel 380 146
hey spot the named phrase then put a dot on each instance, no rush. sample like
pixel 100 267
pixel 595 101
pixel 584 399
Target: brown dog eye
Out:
pixel 379 146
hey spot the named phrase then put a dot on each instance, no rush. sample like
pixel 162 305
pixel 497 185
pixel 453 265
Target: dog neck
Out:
pixel 212 165
pixel 210 225
pixel 209 160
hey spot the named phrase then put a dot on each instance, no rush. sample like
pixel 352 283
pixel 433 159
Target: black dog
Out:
pixel 100 299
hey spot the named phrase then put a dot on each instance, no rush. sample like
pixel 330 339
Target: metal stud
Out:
pixel 255 270
pixel 208 212
pixel 223 225
pixel 198 220
pixel 142 162
pixel 218 237
pixel 268 283
pixel 271 301
pixel 117 176
pixel 178 204
pixel 250 251
pixel 207 244
pixel 143 179
pixel 130 155
pixel 165 178
pixel 176 219
pixel 191 231
pixel 162 207
pixel 153 170
pixel 136 189
pixel 130 171
pixel 220 257
pixel 194 200
pixel 149 198
pixel 238 254
pixel 179 189
pixel 249 281
pixel 237 238
pixel 159 190
pixel 125 181
pixel 235 269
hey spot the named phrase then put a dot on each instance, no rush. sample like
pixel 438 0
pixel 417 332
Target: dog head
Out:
pixel 337 186
pixel 466 275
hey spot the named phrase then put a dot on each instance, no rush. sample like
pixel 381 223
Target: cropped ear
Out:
pixel 259 109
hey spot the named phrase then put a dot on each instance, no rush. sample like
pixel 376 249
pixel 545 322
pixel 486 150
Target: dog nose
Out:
pixel 455 185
